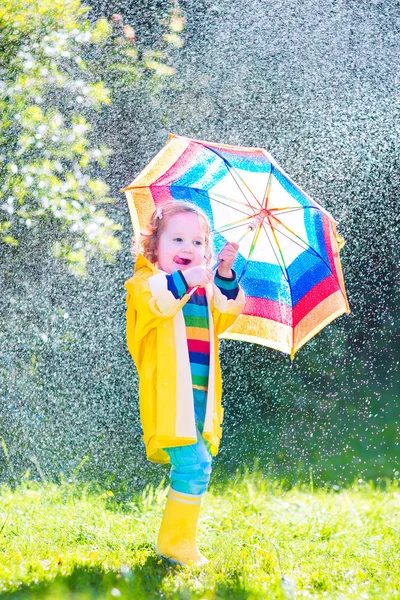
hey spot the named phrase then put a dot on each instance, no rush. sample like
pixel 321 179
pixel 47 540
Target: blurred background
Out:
pixel 88 95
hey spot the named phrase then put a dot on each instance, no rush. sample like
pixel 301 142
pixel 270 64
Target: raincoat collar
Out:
pixel 142 261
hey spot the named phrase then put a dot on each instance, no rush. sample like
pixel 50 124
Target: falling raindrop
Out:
pixel 316 86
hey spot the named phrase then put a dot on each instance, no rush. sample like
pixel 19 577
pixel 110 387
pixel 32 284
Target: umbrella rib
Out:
pixel 268 187
pixel 188 187
pixel 277 243
pixel 289 209
pixel 287 279
pixel 276 256
pixel 232 172
pixel 205 193
pixel 308 247
pixel 212 197
pixel 233 225
pixel 311 249
pixel 231 169
pixel 253 244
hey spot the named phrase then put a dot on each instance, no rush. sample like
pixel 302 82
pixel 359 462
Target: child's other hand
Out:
pixel 198 276
pixel 227 256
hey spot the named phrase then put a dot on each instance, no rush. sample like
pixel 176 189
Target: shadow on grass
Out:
pixel 144 582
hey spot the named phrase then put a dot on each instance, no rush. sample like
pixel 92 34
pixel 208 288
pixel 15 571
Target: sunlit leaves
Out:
pixel 153 61
pixel 98 94
pixel 46 153
pixel 7 239
pixel 174 39
pixel 101 31
pixel 123 64
pixel 60 70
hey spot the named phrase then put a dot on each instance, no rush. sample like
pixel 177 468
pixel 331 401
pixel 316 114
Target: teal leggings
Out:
pixel 191 465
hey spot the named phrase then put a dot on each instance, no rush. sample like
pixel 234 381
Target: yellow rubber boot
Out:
pixel 177 537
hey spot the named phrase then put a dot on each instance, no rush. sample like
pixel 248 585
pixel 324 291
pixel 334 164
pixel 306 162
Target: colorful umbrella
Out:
pixel 288 263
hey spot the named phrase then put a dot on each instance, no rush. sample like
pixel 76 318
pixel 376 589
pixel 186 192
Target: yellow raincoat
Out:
pixel 156 339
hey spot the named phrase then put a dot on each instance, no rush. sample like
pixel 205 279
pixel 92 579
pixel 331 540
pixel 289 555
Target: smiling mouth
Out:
pixel 182 261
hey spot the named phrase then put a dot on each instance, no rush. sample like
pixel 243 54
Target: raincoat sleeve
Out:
pixel 226 310
pixel 149 302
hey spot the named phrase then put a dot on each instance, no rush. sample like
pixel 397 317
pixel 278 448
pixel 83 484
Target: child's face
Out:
pixel 182 243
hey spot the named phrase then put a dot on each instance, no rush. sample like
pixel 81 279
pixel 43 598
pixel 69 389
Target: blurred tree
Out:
pixel 67 386
pixel 54 64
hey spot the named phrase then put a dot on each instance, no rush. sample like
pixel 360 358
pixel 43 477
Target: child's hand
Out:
pixel 198 276
pixel 227 256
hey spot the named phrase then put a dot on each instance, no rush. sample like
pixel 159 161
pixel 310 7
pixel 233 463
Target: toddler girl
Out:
pixel 176 308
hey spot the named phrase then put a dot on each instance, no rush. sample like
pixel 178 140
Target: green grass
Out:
pixel 76 541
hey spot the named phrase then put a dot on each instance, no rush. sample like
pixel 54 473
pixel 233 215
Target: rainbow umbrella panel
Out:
pixel 288 262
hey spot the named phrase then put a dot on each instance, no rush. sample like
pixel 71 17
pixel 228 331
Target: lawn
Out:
pixel 74 540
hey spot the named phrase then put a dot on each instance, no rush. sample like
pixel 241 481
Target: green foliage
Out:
pixel 122 64
pixel 264 541
pixel 51 87
pixel 45 151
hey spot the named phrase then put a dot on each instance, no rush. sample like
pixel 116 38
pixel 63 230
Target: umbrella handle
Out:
pixel 174 311
pixel 249 228
pixel 213 268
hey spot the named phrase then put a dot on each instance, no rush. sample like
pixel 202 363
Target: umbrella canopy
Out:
pixel 288 262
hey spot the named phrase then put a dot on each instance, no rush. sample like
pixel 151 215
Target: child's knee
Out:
pixel 199 470
pixel 193 454
pixel 204 472
pixel 192 479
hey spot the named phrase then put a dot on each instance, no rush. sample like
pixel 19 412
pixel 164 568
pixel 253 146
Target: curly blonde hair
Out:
pixel 148 241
